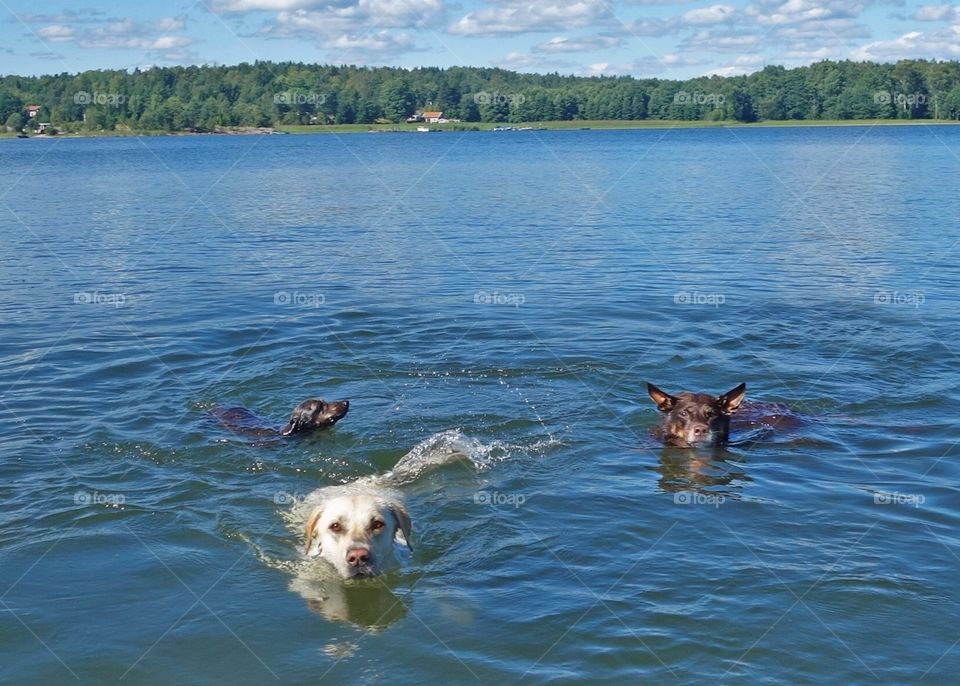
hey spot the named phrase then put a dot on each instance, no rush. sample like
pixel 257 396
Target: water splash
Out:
pixel 447 447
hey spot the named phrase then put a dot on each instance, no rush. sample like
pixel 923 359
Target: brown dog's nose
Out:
pixel 358 556
pixel 701 430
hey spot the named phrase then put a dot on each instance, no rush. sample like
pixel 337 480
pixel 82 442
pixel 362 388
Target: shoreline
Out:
pixel 471 127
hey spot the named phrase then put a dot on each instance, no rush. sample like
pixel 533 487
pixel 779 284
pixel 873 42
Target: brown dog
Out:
pixel 692 419
pixel 307 416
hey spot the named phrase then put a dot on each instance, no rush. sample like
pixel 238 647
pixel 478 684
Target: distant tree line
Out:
pixel 268 94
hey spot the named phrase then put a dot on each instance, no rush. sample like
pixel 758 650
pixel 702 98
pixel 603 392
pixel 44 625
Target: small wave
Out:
pixel 446 447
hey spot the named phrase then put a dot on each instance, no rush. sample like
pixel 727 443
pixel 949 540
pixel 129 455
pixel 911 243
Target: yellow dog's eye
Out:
pixel 336 526
pixel 377 524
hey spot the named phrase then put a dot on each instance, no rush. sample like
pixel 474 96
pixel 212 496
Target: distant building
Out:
pixel 429 118
pixel 42 126
pixel 33 110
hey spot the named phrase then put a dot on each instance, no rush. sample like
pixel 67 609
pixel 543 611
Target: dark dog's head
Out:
pixel 695 418
pixel 314 414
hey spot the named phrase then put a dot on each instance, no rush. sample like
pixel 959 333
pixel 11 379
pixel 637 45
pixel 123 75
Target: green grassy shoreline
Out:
pixel 610 124
pixel 545 125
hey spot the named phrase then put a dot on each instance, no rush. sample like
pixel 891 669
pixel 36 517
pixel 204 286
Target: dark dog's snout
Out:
pixel 700 431
pixel 358 557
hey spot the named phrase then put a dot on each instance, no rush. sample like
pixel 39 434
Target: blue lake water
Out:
pixel 506 297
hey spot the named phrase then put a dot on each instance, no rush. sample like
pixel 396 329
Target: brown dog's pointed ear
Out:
pixel 731 400
pixel 664 401
pixel 402 520
pixel 310 529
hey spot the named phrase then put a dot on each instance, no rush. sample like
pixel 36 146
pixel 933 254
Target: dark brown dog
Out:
pixel 306 417
pixel 693 419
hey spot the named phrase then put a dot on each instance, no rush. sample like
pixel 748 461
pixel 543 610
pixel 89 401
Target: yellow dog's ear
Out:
pixel 310 529
pixel 402 520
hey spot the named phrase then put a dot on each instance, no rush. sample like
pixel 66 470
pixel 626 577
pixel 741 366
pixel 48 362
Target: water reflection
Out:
pixel 370 603
pixel 713 471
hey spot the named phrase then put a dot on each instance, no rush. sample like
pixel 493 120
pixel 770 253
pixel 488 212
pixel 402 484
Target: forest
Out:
pixel 207 98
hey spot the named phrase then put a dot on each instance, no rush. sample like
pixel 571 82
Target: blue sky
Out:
pixel 661 38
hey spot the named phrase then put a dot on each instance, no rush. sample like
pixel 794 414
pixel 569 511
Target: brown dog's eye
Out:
pixel 377 524
pixel 683 413
pixel 336 527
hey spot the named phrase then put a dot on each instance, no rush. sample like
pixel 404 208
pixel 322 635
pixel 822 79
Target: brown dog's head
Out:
pixel 314 414
pixel 695 418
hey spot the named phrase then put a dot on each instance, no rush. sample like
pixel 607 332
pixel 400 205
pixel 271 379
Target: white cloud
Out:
pixel 170 24
pixel 673 59
pixel 239 6
pixel 56 33
pixel 665 65
pixel 513 16
pixel 82 16
pixel 942 44
pixel 715 14
pixel 937 13
pixel 521 61
pixel 711 40
pixel 745 64
pixel 832 31
pixel 92 30
pixel 606 69
pixel 352 18
pixel 146 43
pixel 353 30
pixel 584 44
pixel 781 12
pixel 380 47
pixel 651 27
pixel 813 55
pixel 382 41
